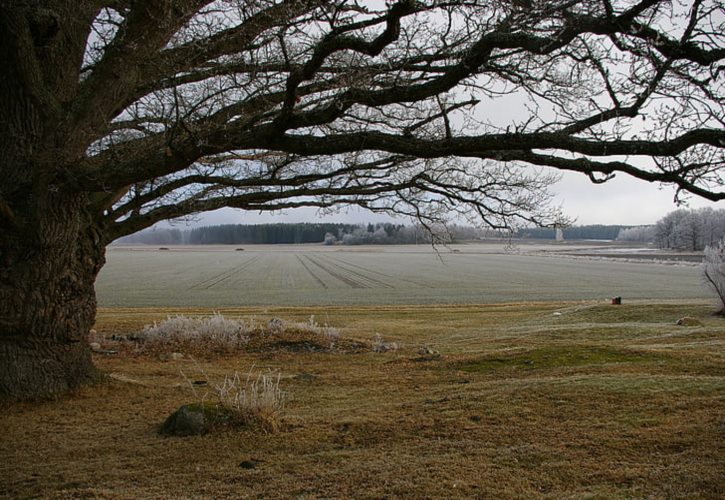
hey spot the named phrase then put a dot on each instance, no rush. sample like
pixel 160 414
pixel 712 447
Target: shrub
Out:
pixel 713 271
pixel 215 333
pixel 380 345
pixel 255 401
pixel 219 335
pixel 258 399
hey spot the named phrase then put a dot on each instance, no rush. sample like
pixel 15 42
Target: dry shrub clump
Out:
pixel 217 335
pixel 180 333
pixel 255 401
pixel 380 345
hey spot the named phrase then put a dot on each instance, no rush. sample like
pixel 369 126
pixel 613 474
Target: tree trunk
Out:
pixel 47 302
pixel 50 248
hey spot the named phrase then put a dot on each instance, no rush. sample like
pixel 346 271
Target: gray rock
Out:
pixel 189 420
pixel 195 419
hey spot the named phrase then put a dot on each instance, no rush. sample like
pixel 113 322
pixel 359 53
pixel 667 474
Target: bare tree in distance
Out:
pixel 713 271
pixel 117 114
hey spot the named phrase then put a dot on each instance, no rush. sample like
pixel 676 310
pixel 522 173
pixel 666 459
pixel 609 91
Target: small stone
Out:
pixel 177 356
pixel 196 419
pixel 427 351
pixel 189 420
pixel 92 332
pixel 556 314
pixel 688 321
pixel 95 346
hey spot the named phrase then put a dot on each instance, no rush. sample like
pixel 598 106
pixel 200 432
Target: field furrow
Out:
pixel 365 277
pixel 223 276
pixel 312 273
pixel 352 283
pixel 379 273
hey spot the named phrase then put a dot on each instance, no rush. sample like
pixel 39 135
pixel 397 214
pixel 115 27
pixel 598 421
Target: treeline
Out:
pixel 681 230
pixel 349 234
pixel 271 234
pixel 399 234
pixel 238 234
pixel 690 229
pixel 590 232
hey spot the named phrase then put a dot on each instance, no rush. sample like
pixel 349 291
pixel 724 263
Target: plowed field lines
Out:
pixel 223 276
pixel 340 263
pixel 314 276
pixel 364 277
pixel 352 283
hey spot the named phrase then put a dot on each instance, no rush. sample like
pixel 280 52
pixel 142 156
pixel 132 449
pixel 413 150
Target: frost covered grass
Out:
pixel 255 400
pixel 270 276
pixel 209 335
pixel 180 333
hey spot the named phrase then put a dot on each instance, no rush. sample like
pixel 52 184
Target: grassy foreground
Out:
pixel 551 400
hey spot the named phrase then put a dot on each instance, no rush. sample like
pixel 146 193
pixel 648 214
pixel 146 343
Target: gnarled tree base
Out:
pixel 43 370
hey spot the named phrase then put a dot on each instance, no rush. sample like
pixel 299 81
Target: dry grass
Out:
pixel 597 402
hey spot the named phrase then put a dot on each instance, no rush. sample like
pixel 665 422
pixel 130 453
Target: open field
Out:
pixel 282 275
pixel 513 379
pixel 595 401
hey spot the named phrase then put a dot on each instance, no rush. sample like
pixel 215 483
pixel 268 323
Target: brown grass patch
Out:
pixel 612 407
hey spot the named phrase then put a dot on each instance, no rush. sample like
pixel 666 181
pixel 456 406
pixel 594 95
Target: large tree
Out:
pixel 116 114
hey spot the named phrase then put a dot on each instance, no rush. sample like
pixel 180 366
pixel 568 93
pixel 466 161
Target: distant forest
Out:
pixel 349 234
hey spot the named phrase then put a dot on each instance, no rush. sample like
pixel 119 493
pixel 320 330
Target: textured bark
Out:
pixel 47 302
pixel 50 248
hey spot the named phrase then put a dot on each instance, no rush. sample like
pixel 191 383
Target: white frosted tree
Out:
pixel 713 271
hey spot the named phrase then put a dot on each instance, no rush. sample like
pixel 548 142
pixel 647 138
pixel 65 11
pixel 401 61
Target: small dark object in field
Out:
pixel 107 352
pixel 250 464
pixel 238 249
pixel 528 362
pixel 200 382
pixel 616 301
pixel 475 418
pixel 688 321
pixel 163 248
pixel 304 377
pixel 429 357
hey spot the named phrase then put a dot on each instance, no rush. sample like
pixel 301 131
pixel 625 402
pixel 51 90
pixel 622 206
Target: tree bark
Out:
pixel 50 247
pixel 47 301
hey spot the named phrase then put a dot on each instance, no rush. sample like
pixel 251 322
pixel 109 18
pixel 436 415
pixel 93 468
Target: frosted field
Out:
pixel 283 275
